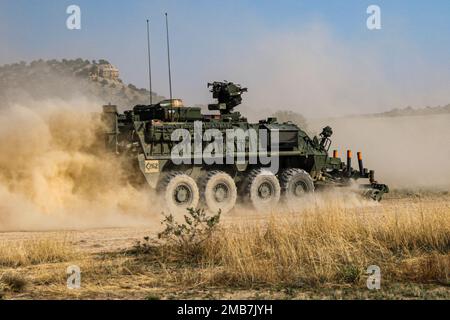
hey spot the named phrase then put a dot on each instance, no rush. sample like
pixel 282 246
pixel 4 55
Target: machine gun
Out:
pixel 228 96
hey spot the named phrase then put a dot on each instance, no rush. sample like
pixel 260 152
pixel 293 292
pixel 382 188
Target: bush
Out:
pixel 349 274
pixel 185 238
pixel 11 281
pixel 197 228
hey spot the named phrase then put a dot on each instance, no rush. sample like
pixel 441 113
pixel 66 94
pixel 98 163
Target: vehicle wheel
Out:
pixel 295 183
pixel 262 189
pixel 180 192
pixel 218 191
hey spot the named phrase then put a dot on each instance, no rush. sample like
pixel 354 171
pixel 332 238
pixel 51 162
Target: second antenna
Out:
pixel 168 56
pixel 149 63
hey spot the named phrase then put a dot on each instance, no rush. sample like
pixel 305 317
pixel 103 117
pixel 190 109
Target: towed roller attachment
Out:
pixel 374 191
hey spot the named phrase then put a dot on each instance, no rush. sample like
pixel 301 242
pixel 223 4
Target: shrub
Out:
pixel 197 228
pixel 185 238
pixel 11 281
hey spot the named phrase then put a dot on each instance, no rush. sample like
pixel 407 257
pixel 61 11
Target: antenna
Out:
pixel 149 62
pixel 168 56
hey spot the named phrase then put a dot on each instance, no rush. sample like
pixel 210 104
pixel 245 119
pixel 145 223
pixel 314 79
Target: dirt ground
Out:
pixel 111 277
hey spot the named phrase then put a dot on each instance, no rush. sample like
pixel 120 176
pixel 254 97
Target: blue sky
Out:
pixel 252 41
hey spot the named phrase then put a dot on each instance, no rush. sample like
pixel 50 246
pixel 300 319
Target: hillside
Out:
pixel 410 111
pixel 65 79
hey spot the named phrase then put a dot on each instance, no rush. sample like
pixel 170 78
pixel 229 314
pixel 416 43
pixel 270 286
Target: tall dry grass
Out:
pixel 31 252
pixel 333 244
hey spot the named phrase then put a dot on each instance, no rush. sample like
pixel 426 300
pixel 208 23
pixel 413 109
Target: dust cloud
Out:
pixel 55 175
pixel 405 152
pixel 319 75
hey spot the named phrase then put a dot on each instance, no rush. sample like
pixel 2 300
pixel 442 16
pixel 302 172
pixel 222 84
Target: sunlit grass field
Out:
pixel 321 252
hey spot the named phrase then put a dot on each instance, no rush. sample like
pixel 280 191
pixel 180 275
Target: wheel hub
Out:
pixel 299 189
pixel 265 190
pixel 183 194
pixel 221 192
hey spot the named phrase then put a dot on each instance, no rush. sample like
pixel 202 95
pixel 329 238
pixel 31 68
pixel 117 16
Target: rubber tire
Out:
pixel 289 178
pixel 254 180
pixel 167 188
pixel 208 182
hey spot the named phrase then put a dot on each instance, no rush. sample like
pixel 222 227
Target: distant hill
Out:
pixel 96 80
pixel 410 111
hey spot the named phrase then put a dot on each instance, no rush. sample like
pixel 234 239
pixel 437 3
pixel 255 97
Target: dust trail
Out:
pixel 54 173
pixel 332 199
pixel 406 152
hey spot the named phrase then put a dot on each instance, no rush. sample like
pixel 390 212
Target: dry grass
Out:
pixel 326 245
pixel 31 252
pixel 16 257
pixel 321 252
pixel 12 281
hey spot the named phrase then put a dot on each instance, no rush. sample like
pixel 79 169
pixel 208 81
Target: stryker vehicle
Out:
pixel 145 135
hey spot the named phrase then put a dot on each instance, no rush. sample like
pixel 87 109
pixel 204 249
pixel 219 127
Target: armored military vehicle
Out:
pixel 148 135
